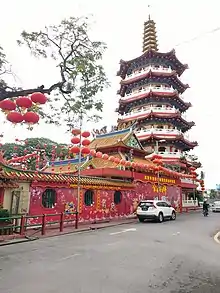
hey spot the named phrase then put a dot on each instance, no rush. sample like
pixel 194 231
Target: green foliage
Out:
pixel 43 146
pixel 213 193
pixel 78 59
pixel 81 76
pixel 4 214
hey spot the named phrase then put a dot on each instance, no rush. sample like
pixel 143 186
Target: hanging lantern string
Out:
pixel 142 166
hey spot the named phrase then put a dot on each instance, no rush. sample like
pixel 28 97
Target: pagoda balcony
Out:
pixel 187 180
pixel 147 110
pixel 147 69
pixel 167 155
pixel 158 131
pixel 147 89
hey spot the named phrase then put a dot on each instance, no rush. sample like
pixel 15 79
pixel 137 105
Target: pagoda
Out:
pixel 151 101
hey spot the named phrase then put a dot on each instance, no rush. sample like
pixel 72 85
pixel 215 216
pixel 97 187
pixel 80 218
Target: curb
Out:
pixel 216 237
pixel 90 229
pixel 67 233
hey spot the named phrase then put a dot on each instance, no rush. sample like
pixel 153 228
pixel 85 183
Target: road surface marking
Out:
pixel 113 243
pixel 69 256
pixel 123 231
pixel 216 237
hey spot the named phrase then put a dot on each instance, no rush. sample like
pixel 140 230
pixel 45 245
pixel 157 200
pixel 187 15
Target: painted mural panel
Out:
pixel 101 204
pixel 168 193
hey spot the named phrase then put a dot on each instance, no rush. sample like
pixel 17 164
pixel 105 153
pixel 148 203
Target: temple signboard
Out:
pixel 160 179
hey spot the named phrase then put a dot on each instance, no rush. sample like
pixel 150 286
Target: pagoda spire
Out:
pixel 150 35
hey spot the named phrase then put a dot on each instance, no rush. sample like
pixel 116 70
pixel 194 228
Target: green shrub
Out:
pixel 4 213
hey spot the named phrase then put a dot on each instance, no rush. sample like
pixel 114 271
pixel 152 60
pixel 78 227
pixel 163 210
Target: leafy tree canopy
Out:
pixel 43 146
pixel 78 59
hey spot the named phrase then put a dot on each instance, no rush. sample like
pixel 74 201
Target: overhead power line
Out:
pixel 199 36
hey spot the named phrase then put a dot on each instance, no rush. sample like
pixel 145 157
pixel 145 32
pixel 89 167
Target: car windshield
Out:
pixel 217 203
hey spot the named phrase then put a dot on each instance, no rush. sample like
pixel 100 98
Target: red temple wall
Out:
pixel 103 206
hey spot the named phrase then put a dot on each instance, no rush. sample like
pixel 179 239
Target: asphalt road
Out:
pixel 174 257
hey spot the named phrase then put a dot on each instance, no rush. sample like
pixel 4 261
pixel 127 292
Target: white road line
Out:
pixel 216 237
pixel 69 256
pixel 114 243
pixel 123 231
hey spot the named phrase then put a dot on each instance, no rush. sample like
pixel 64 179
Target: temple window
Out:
pixel 49 198
pixel 117 197
pixel 88 197
pixel 162 149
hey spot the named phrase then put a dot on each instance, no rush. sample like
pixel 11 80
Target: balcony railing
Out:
pixel 158 131
pixel 190 203
pixel 187 180
pixel 166 154
pixel 147 89
pixel 146 70
pixel 147 110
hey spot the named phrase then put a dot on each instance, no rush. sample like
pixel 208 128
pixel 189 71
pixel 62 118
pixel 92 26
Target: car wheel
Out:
pixel 173 216
pixel 141 220
pixel 160 218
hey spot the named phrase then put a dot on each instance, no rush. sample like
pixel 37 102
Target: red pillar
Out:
pixel 61 221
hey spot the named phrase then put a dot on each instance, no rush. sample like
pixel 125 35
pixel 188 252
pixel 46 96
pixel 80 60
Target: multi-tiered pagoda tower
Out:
pixel 151 100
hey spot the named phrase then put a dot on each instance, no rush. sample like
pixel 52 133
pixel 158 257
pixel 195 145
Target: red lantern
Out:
pixel 86 142
pixel 117 160
pixel 38 98
pixel 7 105
pixel 133 164
pixel 105 157
pixel 86 134
pixel 75 150
pixel 31 117
pixel 98 154
pixel 111 158
pixel 93 153
pixel 76 131
pixel 75 140
pixel 128 164
pixel 24 102
pixel 15 117
pixel 85 151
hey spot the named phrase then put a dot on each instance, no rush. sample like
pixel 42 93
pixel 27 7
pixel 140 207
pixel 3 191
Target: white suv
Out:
pixel 155 210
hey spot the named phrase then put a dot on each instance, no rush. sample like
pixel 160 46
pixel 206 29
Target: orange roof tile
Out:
pixel 10 173
pixel 109 139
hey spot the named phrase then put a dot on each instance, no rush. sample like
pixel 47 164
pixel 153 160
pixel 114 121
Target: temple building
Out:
pixel 151 99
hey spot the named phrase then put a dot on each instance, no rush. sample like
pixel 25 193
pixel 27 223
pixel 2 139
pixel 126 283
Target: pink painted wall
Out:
pixel 103 206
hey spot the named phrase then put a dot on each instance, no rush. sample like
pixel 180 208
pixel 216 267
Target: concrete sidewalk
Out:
pixel 35 234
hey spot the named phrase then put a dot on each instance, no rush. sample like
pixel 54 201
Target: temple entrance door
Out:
pixel 15 200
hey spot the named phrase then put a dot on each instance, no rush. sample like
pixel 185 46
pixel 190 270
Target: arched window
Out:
pixel 88 197
pixel 49 198
pixel 117 197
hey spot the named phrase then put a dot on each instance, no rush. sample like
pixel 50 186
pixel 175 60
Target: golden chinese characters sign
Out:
pixel 161 189
pixel 160 179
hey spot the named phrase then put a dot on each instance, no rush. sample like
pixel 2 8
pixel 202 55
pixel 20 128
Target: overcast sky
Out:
pixel 120 25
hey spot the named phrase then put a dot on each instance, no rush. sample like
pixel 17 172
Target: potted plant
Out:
pixel 4 221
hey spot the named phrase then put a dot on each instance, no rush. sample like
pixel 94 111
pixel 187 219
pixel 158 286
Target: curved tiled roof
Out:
pixel 10 173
